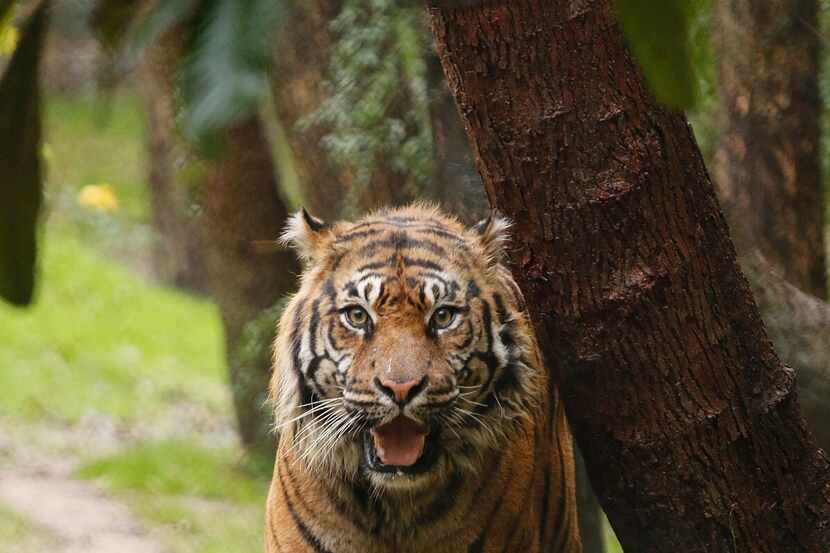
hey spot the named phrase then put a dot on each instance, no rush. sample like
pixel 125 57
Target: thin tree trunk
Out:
pixel 689 423
pixel 799 325
pixel 242 207
pixel 768 167
pixel 301 57
pixel 302 64
pixel 177 243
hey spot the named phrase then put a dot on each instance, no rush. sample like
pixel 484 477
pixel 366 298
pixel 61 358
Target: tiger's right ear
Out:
pixel 307 234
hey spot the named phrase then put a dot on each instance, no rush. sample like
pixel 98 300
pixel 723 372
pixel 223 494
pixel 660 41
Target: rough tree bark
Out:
pixel 767 169
pixel 688 421
pixel 458 188
pixel 177 244
pixel 457 184
pixel 767 166
pixel 242 207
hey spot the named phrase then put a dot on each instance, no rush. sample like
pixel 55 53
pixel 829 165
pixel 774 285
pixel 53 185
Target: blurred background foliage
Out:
pixel 159 119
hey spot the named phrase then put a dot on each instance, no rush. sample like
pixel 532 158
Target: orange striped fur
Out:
pixel 413 295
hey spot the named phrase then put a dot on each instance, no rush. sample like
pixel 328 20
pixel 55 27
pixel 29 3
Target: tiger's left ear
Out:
pixel 494 234
pixel 307 234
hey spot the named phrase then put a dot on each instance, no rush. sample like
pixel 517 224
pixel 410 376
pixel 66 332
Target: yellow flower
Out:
pixel 8 39
pixel 46 152
pixel 99 197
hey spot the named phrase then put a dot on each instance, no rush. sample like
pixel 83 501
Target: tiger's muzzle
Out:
pixel 403 435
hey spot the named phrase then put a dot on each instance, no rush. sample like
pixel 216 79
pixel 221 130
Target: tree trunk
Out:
pixel 302 63
pixel 767 170
pixel 301 60
pixel 688 421
pixel 242 207
pixel 768 167
pixel 458 188
pixel 177 245
pixel 799 325
pixel 457 184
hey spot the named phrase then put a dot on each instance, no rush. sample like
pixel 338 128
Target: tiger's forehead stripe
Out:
pixel 376 227
pixel 412 242
pixel 399 240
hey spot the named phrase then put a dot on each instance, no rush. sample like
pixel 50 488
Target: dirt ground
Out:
pixel 76 515
pixel 69 515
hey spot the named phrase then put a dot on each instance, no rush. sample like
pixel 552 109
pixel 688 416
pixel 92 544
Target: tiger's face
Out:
pixel 403 357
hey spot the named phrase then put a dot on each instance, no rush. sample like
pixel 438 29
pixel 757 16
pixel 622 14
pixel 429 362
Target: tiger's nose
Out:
pixel 401 392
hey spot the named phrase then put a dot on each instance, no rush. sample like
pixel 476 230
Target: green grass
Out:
pixel 95 139
pixel 200 527
pixel 100 339
pixel 172 482
pixel 176 467
pixel 17 536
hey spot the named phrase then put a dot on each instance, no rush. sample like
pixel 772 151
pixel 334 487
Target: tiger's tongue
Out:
pixel 399 442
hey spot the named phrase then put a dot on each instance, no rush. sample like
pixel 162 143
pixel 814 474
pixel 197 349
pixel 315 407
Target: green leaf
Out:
pixel 227 56
pixel 660 39
pixel 21 186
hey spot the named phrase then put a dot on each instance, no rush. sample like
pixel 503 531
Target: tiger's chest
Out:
pixel 500 513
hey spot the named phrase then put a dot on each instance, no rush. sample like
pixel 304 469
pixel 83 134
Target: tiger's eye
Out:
pixel 442 318
pixel 357 316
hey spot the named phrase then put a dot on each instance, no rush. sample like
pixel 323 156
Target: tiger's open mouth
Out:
pixel 401 446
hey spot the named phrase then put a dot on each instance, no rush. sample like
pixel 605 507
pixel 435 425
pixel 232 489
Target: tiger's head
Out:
pixel 406 354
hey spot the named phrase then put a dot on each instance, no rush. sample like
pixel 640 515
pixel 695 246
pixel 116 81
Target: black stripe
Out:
pixel 329 291
pixel 520 516
pixel 478 544
pixel 469 339
pixel 334 261
pixel 406 260
pixel 399 241
pixel 373 274
pixel 506 381
pixel 354 235
pixel 501 310
pixel 309 537
pixel 312 326
pixel 312 372
pixel 472 290
pixel 415 225
pixel 506 336
pixel 561 522
pixel 330 331
pixel 417 262
pixel 460 242
pixel 343 507
pixel 374 265
pixel 296 344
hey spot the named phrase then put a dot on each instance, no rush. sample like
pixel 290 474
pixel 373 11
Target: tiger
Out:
pixel 413 410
